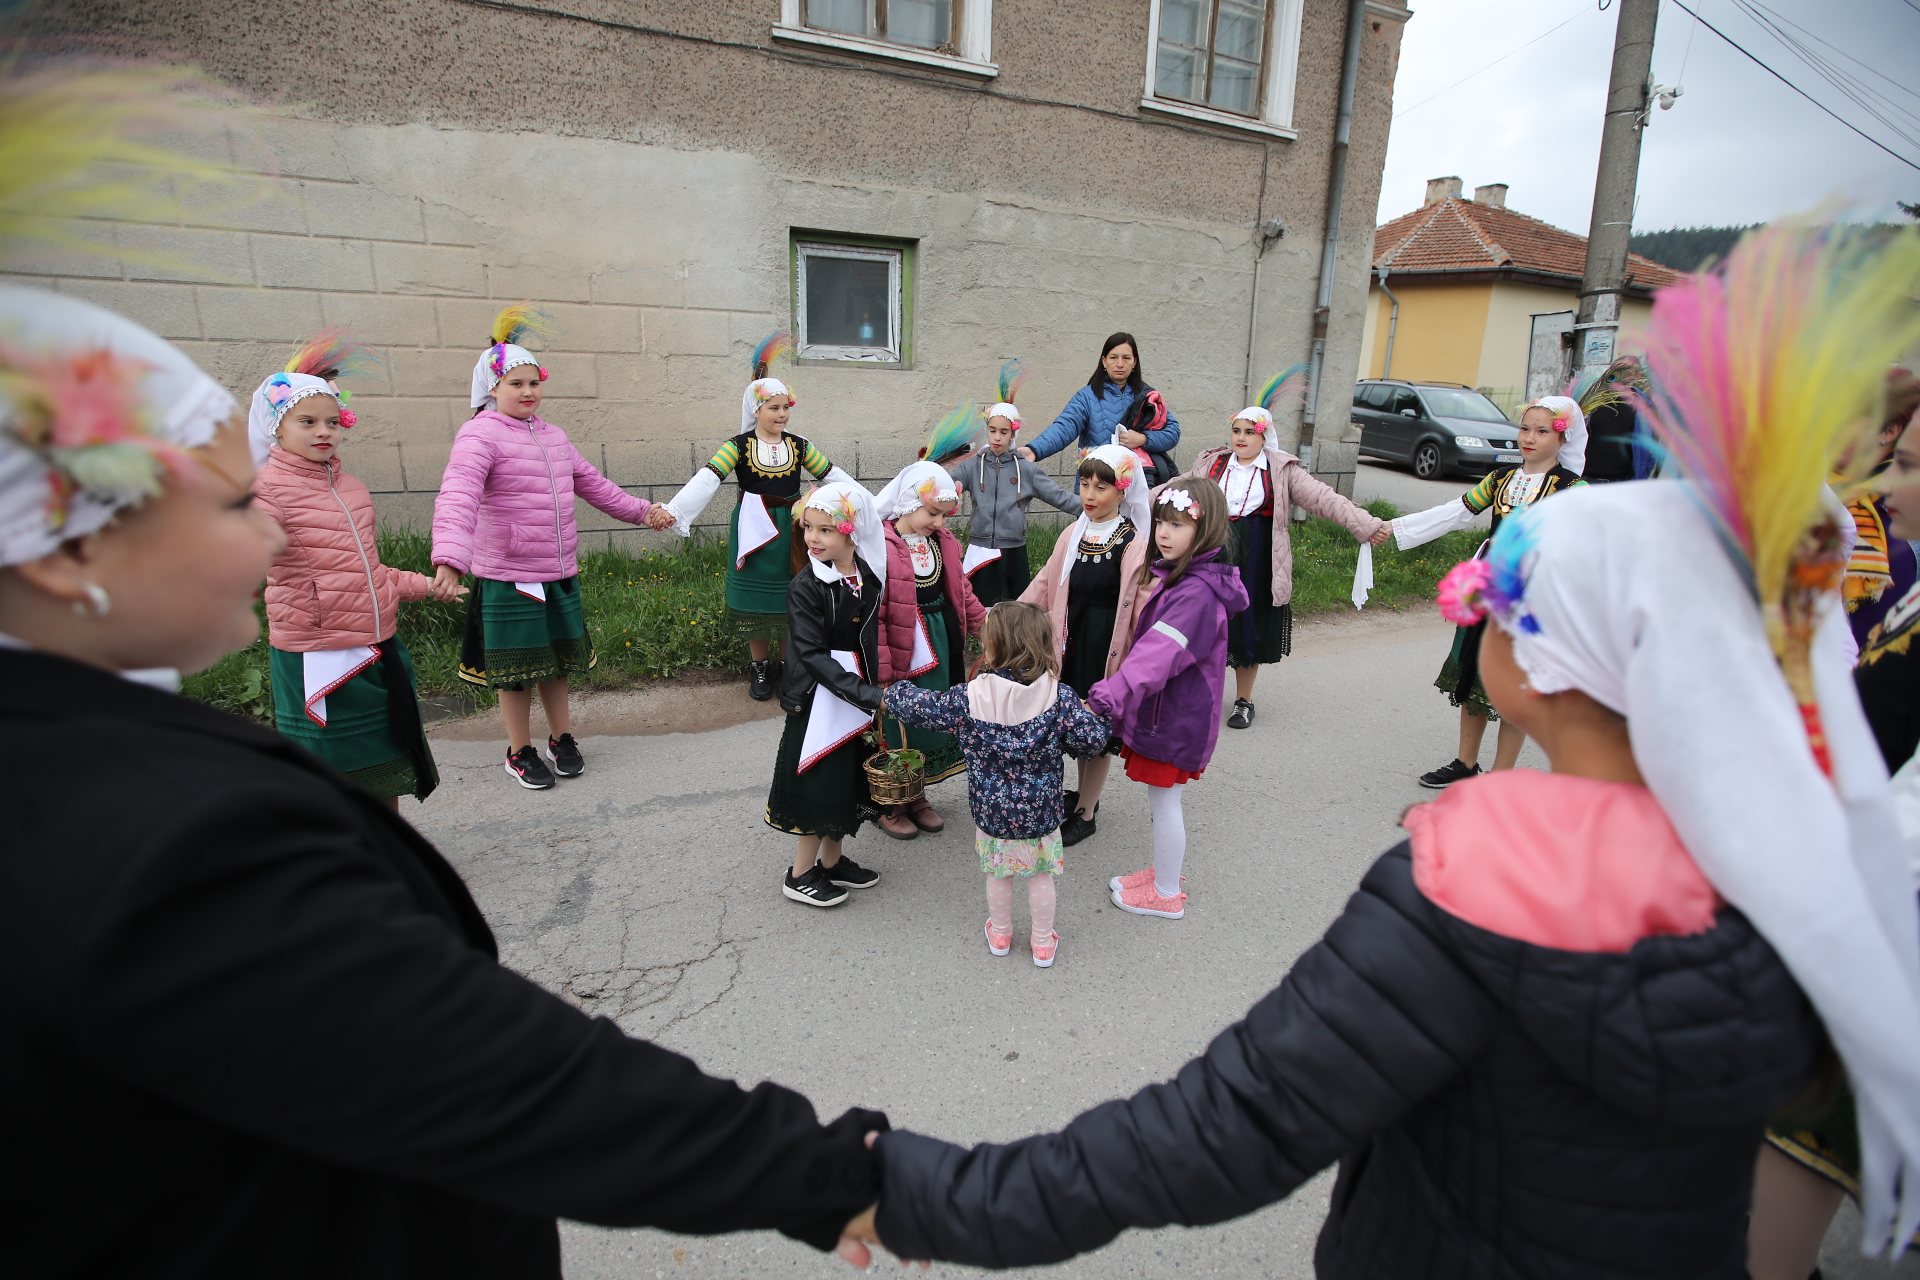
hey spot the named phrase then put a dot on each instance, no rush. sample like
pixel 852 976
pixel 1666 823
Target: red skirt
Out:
pixel 1155 773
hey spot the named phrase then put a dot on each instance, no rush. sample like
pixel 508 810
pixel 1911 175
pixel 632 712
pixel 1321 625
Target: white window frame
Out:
pixel 894 258
pixel 975 56
pixel 1277 84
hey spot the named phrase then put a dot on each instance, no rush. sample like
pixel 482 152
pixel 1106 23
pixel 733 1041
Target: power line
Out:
pixel 1500 60
pixel 1796 88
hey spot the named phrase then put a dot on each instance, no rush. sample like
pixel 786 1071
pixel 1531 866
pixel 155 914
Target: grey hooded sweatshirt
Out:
pixel 1001 485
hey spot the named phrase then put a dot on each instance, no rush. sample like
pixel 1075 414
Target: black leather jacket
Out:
pixel 815 610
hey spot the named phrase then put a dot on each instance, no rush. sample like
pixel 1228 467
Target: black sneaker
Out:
pixel 760 680
pixel 1070 800
pixel 814 888
pixel 1449 773
pixel 527 768
pixel 1076 828
pixel 849 874
pixel 566 757
pixel 1242 715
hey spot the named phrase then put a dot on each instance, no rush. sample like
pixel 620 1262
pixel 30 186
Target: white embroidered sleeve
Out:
pixel 692 499
pixel 1424 526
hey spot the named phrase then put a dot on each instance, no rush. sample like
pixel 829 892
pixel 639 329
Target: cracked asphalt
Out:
pixel 647 891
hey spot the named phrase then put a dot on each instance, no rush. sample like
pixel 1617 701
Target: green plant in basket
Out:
pixel 895 762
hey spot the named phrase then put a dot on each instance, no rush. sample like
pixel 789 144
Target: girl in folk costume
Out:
pixel 1553 440
pixel 1263 483
pixel 1165 698
pixel 343 683
pixel 1888 671
pixel 767 461
pixel 1001 483
pixel 1880 568
pixel 1014 721
pixel 829 692
pixel 505 515
pixel 1093 591
pixel 929 609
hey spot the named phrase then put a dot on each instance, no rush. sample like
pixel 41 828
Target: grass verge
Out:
pixel 661 613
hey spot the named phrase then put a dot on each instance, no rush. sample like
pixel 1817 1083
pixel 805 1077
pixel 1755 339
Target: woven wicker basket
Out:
pixel 890 789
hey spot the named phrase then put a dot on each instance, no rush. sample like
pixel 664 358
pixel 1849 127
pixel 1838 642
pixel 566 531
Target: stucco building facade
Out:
pixel 673 180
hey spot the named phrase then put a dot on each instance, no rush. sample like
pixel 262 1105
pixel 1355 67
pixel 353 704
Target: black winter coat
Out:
pixel 1499 1110
pixel 251 1025
pixel 815 610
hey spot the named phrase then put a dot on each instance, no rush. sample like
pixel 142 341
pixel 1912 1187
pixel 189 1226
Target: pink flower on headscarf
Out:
pixel 348 417
pixel 1560 423
pixel 1459 592
pixel 543 372
pixel 846 527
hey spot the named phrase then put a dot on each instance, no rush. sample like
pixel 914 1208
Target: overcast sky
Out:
pixel 1738 146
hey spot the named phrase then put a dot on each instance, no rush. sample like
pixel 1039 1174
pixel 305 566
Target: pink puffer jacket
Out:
pixel 328 589
pixel 898 612
pixel 505 509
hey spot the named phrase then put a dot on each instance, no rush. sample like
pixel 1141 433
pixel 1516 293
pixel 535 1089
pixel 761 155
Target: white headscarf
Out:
pixel 1625 593
pixel 1269 439
pixel 758 392
pixel 1005 410
pixel 854 505
pixel 1134 505
pixel 181 405
pixel 271 400
pixel 492 366
pixel 1573 444
pixel 909 490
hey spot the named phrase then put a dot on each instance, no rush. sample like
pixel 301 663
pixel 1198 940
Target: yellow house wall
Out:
pixel 1440 333
pixel 1372 328
pixel 1510 312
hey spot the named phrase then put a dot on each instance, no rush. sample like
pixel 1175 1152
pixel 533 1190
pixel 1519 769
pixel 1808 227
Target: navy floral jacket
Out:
pixel 1013 770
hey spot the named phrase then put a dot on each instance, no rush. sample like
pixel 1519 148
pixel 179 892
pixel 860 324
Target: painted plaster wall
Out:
pixel 1440 335
pixel 643 189
pixel 1510 312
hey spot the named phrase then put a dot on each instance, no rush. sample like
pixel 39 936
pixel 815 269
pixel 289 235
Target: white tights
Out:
pixel 1169 837
pixel 1040 900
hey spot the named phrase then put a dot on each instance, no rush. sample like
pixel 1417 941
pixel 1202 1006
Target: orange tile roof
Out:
pixel 1456 234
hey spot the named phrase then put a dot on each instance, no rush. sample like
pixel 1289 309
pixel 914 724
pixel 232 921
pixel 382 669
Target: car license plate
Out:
pixel 1506 457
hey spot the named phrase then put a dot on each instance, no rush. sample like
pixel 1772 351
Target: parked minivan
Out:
pixel 1440 429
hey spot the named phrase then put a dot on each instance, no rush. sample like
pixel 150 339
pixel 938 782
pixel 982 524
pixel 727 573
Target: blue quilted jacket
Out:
pixel 1090 420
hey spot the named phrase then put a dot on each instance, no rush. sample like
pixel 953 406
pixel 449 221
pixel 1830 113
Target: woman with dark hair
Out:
pixel 1115 407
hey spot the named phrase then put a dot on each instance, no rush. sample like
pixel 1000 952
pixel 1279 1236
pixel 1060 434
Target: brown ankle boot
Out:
pixel 924 817
pixel 895 822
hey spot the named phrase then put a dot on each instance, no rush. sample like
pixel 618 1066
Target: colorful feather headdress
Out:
pixel 1012 375
pixel 312 370
pixel 81 413
pixel 956 437
pixel 511 328
pixel 1764 373
pixel 773 347
pixel 1285 389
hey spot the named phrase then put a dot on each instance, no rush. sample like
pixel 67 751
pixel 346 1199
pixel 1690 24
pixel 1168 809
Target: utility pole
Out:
pixel 1613 188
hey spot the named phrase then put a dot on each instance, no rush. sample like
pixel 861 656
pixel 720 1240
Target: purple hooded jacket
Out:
pixel 1165 698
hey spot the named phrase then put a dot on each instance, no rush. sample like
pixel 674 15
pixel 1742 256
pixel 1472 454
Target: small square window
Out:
pixel 923 24
pixel 849 299
pixel 1210 53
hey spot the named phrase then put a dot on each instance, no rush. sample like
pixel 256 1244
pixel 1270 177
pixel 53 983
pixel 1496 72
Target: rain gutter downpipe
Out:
pixel 1336 193
pixel 1393 322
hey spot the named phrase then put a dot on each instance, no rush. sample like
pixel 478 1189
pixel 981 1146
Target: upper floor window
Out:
pixel 953 35
pixel 1224 61
pixel 924 24
pixel 1210 51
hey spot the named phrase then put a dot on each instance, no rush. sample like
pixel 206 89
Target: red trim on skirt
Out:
pixel 1153 772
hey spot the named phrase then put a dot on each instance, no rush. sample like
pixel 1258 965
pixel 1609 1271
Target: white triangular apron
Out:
pixel 834 721
pixel 328 669
pixel 1363 576
pixel 756 527
pixel 977 558
pixel 923 659
pixel 532 590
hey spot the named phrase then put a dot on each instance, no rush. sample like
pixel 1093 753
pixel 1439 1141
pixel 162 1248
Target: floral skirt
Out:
pixel 1001 858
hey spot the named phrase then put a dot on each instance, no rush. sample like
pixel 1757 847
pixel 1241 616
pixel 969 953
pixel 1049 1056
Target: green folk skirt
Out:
pixel 373 732
pixel 757 590
pixel 831 799
pixel 513 641
pixel 1473 697
pixel 941 749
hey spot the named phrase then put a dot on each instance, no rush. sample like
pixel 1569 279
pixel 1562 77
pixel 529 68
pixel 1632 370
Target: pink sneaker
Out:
pixel 1145 900
pixel 1043 951
pixel 1120 884
pixel 998 943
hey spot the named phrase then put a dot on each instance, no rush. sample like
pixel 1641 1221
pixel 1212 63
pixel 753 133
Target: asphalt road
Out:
pixel 648 891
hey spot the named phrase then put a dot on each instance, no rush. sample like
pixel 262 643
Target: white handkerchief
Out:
pixel 923 659
pixel 978 557
pixel 756 527
pixel 328 669
pixel 532 590
pixel 834 721
pixel 1363 576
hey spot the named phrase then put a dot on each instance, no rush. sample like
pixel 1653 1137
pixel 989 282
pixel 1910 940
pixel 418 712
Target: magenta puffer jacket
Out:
pixel 1165 698
pixel 898 613
pixel 328 589
pixel 505 509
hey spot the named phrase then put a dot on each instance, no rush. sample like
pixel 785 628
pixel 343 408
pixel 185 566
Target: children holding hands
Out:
pixel 1001 483
pixel 1013 722
pixel 343 682
pixel 1165 698
pixel 505 515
